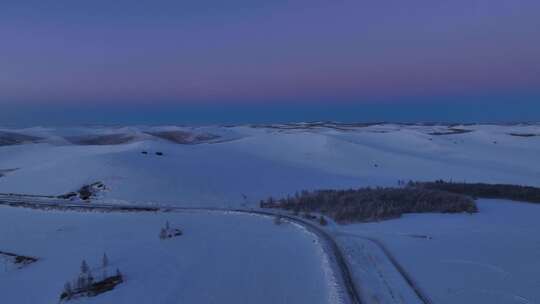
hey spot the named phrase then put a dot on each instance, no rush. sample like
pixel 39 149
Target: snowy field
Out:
pixel 489 257
pixel 221 258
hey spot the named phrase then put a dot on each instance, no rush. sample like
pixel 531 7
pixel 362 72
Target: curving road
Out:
pixel 349 287
pixel 51 202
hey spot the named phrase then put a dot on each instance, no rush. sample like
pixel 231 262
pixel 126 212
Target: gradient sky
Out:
pixel 337 59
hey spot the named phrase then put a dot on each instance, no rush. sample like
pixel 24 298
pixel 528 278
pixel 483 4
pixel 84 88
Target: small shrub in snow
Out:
pixel 309 216
pixel 69 195
pixel 18 260
pixel 67 290
pixel 167 232
pixel 85 193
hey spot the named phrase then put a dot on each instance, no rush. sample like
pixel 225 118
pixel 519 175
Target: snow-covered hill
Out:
pixel 239 165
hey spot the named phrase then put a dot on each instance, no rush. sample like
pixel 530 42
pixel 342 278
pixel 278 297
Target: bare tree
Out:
pixel 89 278
pixel 84 267
pixel 81 282
pixel 67 290
pixel 105 261
pixel 105 264
pixel 119 275
pixel 163 234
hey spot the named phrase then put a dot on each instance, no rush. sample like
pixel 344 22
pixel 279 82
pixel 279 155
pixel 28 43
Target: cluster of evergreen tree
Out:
pixel 373 204
pixel 85 283
pixel 500 191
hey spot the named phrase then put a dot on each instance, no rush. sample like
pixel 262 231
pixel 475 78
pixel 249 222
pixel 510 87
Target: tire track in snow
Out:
pixel 406 276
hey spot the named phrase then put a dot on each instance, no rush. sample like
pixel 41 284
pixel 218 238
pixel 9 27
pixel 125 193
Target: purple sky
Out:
pixel 271 52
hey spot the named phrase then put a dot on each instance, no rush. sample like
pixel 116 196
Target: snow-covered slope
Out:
pixel 246 164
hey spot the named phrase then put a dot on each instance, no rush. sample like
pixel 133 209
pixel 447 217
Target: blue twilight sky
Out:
pixel 209 61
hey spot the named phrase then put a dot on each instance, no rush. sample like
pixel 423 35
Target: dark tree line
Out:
pixel 500 191
pixel 373 204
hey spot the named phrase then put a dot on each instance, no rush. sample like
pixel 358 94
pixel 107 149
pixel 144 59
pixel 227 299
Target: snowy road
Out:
pixel 422 297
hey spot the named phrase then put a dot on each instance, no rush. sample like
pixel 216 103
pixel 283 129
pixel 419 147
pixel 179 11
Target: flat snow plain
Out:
pixel 489 257
pixel 221 258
